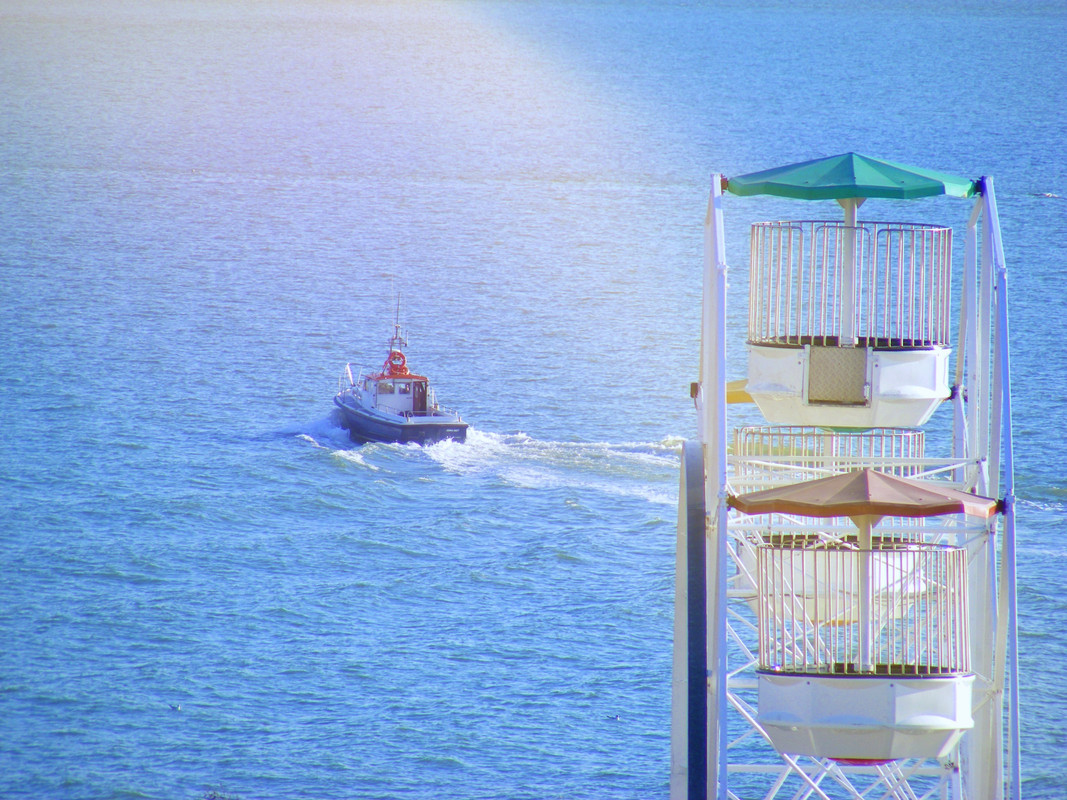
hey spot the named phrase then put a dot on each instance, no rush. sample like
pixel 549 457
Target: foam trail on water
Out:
pixel 641 469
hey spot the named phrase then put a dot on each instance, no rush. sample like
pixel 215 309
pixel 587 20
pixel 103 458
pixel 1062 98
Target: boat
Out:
pixel 845 594
pixel 393 404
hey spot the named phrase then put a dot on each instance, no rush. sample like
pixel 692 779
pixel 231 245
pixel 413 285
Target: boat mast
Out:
pixel 398 341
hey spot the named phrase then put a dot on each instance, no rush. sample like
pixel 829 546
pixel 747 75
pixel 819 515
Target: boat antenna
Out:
pixel 398 340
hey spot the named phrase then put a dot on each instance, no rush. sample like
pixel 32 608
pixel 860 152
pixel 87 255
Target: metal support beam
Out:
pixel 1008 668
pixel 713 375
pixel 689 719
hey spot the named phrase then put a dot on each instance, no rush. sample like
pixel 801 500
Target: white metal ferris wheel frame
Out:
pixel 709 691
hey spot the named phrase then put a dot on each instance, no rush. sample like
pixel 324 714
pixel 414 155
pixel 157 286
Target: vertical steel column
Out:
pixel 689 719
pixel 984 347
pixel 713 374
pixel 963 445
pixel 1008 627
pixel 846 268
pixel 984 745
pixel 697 524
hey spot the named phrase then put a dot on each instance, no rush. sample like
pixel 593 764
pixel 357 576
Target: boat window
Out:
pixel 385 387
pixel 403 387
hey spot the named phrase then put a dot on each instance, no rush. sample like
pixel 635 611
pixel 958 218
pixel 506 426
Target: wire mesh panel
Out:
pixel 896 608
pixel 890 281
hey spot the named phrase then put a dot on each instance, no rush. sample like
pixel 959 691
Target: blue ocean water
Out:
pixel 207 207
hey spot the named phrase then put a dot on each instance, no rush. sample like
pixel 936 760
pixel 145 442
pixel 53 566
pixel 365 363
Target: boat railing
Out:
pixel 896 608
pixel 876 284
pixel 346 381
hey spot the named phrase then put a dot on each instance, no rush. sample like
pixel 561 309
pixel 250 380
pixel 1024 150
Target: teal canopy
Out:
pixel 850 175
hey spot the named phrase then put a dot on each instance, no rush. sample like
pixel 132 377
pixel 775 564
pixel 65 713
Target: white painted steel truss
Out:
pixel 719 749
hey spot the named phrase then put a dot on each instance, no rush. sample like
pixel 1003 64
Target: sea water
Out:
pixel 208 207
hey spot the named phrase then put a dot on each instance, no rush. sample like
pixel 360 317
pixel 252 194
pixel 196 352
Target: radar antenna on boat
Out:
pixel 398 339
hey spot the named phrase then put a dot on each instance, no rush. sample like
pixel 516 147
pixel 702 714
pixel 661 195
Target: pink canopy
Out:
pixel 864 493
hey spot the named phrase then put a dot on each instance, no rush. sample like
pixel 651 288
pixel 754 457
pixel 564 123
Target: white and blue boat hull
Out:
pixel 365 425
